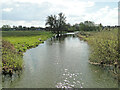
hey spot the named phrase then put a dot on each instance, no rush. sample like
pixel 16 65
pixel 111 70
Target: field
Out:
pixel 23 40
pixel 103 46
pixel 14 43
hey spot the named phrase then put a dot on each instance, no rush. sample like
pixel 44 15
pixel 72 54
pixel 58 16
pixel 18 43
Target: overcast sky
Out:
pixel 34 12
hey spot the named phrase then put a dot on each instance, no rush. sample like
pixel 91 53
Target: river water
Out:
pixel 60 63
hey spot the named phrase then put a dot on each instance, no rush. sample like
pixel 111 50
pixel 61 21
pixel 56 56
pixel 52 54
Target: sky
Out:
pixel 34 12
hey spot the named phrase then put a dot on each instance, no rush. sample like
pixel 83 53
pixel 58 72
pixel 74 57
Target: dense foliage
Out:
pixel 84 26
pixel 11 60
pixel 56 24
pixel 104 46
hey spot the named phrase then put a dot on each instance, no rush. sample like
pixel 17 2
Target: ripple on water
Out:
pixel 70 80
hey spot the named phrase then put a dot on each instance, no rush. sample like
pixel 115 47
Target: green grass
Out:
pixel 103 46
pixel 0 54
pixel 14 43
pixel 10 58
pixel 23 40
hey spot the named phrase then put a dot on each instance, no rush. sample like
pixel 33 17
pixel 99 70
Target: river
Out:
pixel 60 63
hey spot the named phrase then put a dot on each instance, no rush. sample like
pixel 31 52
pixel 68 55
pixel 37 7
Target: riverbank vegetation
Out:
pixel 11 60
pixel 14 43
pixel 103 45
pixel 103 41
pixel 0 53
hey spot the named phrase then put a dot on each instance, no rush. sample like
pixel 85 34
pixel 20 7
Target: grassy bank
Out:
pixel 14 43
pixel 23 40
pixel 11 60
pixel 0 53
pixel 103 45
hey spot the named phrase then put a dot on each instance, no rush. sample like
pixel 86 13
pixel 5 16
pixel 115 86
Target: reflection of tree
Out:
pixel 56 39
pixel 59 39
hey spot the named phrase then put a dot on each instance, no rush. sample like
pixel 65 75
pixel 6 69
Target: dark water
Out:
pixel 60 62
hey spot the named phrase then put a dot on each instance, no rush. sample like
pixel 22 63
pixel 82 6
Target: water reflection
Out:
pixel 59 39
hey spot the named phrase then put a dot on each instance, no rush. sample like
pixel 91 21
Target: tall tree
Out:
pixel 50 22
pixel 56 24
pixel 61 21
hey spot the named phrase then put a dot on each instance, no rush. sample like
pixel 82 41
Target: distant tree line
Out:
pixel 84 26
pixel 88 26
pixel 20 28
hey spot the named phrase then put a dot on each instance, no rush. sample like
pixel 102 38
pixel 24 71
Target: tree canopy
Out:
pixel 56 24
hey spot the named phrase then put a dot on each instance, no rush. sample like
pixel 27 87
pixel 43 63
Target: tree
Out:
pixel 67 26
pixel 50 21
pixel 20 27
pixel 6 27
pixel 100 27
pixel 61 22
pixel 75 27
pixel 32 28
pixel 56 24
pixel 81 26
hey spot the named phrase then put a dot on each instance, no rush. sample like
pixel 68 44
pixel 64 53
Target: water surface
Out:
pixel 58 63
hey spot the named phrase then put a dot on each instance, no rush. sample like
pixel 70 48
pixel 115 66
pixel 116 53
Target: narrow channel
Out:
pixel 60 63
